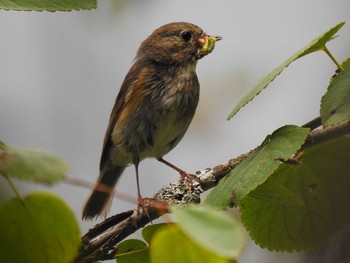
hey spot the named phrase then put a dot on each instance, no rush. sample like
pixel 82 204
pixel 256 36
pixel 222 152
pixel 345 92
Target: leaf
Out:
pixel 321 180
pixel 170 245
pixel 274 192
pixel 149 231
pixel 204 224
pixel 48 5
pixel 40 228
pixel 255 170
pixel 32 165
pixel 316 45
pixel 132 251
pixel 137 251
pixel 335 104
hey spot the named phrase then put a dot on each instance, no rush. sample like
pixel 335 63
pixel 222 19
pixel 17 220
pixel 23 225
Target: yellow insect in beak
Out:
pixel 208 44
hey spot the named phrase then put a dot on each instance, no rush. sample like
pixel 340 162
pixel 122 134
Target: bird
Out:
pixel 153 109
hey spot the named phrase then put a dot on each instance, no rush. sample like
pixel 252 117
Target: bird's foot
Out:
pixel 183 174
pixel 142 204
pixel 191 177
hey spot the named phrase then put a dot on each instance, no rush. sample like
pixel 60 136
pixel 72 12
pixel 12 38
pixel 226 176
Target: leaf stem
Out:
pixel 325 49
pixel 13 187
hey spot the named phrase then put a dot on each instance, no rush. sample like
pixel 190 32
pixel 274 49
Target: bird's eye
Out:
pixel 187 36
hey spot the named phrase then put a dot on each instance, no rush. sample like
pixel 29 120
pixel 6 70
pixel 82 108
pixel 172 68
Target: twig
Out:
pixel 326 134
pixel 313 124
pixel 86 184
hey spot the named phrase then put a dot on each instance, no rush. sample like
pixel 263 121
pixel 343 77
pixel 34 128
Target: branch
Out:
pixel 313 124
pixel 100 242
pixel 326 134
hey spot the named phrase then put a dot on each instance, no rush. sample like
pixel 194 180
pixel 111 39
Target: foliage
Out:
pixel 295 206
pixel 308 207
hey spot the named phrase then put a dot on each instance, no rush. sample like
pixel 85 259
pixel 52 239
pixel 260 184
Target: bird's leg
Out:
pixel 140 203
pixel 159 205
pixel 183 174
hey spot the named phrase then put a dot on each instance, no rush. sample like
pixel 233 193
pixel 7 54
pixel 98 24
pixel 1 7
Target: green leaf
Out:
pixel 149 231
pixel 335 104
pixel 48 5
pixel 137 251
pixel 32 165
pixel 253 171
pixel 40 228
pixel 132 251
pixel 316 45
pixel 204 224
pixel 321 180
pixel 274 192
pixel 170 245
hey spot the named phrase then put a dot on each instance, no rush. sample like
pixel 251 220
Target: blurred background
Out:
pixel 60 73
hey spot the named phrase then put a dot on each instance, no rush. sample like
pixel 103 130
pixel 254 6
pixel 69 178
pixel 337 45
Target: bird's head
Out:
pixel 175 44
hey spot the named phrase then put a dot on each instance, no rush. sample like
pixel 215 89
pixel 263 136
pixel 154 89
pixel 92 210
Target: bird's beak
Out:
pixel 207 45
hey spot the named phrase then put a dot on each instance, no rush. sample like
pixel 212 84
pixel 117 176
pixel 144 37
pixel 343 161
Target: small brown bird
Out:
pixel 154 107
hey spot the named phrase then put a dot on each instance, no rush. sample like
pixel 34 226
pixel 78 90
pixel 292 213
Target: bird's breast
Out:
pixel 160 119
pixel 175 111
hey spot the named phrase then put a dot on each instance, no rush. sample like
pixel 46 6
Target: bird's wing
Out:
pixel 132 91
pixel 119 104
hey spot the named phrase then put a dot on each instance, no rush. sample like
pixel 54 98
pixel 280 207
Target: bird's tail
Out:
pixel 100 199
